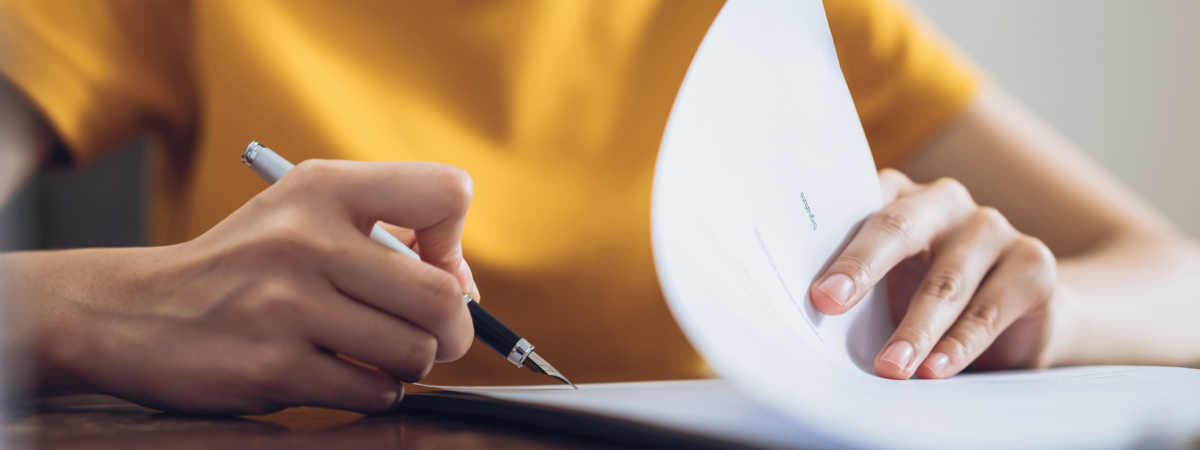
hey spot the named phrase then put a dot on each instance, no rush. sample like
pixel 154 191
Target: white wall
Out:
pixel 1121 79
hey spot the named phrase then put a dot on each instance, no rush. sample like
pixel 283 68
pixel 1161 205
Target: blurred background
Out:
pixel 1118 78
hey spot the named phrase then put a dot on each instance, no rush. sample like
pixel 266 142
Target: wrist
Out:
pixel 1062 333
pixel 37 316
pixel 63 348
pixel 76 301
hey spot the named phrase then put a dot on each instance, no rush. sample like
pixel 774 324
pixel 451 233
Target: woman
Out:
pixel 555 110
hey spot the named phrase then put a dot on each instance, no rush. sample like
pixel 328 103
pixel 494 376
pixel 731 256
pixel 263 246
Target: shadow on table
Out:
pixel 101 422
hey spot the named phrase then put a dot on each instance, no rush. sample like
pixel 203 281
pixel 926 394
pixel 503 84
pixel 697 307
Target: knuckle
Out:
pixel 446 289
pixel 418 355
pixel 313 178
pixel 1031 252
pixel 976 327
pixel 942 286
pixel 274 301
pixel 1040 263
pixel 457 339
pixel 443 296
pixel 920 333
pixel 949 185
pixel 982 321
pixel 458 345
pixel 457 186
pixel 896 223
pixel 316 178
pixel 318 169
pixel 854 262
pixel 992 217
pixel 955 347
pixel 858 267
pixel 290 238
pixel 953 189
pixel 1035 250
pixel 270 368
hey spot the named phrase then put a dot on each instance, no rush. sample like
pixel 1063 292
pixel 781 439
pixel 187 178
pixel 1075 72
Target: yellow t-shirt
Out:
pixel 555 108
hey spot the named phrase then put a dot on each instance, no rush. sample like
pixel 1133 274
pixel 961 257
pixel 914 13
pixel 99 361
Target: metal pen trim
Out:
pixel 520 352
pixel 251 154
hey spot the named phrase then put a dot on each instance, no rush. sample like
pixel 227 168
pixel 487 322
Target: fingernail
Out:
pixel 393 399
pixel 475 293
pixel 936 362
pixel 465 278
pixel 838 287
pixel 899 353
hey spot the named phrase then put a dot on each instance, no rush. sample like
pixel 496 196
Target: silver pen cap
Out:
pixel 265 162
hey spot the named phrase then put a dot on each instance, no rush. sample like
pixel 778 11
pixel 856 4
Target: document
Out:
pixel 764 174
pixel 1082 407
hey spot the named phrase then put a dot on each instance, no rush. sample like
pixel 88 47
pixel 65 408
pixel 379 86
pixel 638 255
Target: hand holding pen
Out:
pixel 256 314
pixel 253 315
pixel 489 330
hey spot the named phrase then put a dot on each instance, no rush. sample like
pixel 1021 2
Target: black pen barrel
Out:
pixel 490 331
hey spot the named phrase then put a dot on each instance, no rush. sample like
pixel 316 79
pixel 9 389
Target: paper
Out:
pixel 763 175
pixel 714 409
pixel 763 133
pixel 705 408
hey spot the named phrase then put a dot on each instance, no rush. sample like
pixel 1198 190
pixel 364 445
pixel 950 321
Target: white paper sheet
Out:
pixel 763 175
pixel 1113 407
pixel 764 132
pixel 706 408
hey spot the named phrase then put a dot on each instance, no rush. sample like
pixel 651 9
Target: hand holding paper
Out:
pixel 764 178
pixel 762 119
pixel 959 277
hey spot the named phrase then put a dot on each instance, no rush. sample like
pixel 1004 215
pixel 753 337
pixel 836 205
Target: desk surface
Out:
pixel 96 421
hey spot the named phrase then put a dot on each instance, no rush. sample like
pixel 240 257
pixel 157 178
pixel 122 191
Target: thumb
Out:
pixel 467 280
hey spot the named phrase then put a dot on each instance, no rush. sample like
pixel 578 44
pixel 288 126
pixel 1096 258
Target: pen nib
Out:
pixel 536 364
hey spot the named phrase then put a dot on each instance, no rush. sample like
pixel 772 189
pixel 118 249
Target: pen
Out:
pixel 489 330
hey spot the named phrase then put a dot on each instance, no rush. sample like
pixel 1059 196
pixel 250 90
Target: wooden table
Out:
pixel 101 422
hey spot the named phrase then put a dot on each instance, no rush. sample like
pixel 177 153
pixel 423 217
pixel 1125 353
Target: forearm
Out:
pixel 1008 158
pixel 1136 300
pixel 54 301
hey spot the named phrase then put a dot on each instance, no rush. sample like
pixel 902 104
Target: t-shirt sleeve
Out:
pixel 101 71
pixel 907 83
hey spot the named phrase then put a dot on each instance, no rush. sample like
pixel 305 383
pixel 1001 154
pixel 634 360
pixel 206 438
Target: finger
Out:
pixel 894 183
pixel 403 350
pixel 326 381
pixel 414 291
pixel 899 230
pixel 431 199
pixel 961 263
pixel 1023 279
pixel 405 235
pixel 409 238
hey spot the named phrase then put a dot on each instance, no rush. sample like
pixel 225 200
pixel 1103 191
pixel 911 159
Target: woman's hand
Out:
pixel 963 284
pixel 251 317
